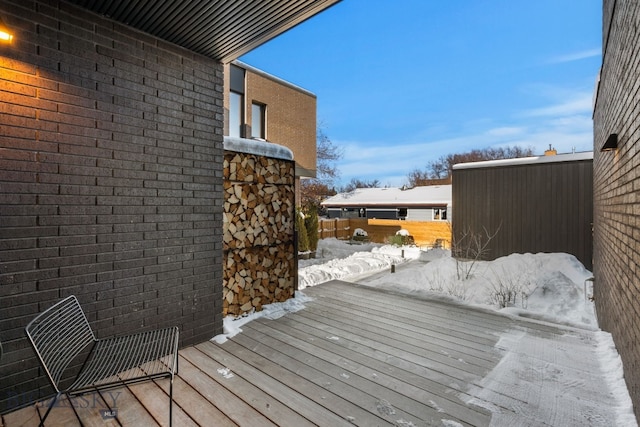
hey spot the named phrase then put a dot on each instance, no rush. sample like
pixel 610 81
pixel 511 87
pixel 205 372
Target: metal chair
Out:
pixel 61 336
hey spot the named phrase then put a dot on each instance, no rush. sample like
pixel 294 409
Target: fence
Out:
pixel 425 233
pixel 337 227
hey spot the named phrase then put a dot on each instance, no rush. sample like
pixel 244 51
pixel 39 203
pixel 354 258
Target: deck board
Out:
pixel 224 391
pixel 354 356
pixel 289 387
pixel 434 338
pixel 399 391
pixel 326 411
pixel 363 361
pixel 353 388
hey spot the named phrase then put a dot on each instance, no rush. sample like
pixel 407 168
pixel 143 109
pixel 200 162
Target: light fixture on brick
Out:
pixel 611 143
pixel 6 35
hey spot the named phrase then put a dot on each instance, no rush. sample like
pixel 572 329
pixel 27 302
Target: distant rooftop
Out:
pixel 417 196
pixel 572 157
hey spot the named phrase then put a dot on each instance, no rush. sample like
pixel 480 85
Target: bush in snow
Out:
pixel 447 285
pixel 402 238
pixel 311 224
pixel 509 287
pixel 469 247
pixel 359 232
pixel 360 235
pixel 303 238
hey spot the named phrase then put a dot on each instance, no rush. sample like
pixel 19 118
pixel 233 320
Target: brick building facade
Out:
pixel 288 114
pixel 111 182
pixel 616 185
pixel 111 187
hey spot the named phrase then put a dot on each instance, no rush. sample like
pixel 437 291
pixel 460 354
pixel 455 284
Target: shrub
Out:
pixel 402 238
pixel 468 247
pixel 359 235
pixel 303 238
pixel 311 224
pixel 509 287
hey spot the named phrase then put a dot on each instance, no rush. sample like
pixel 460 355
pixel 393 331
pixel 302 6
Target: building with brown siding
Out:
pixel 532 204
pixel 616 187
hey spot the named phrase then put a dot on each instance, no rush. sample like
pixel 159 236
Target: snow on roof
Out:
pixel 257 147
pixel 417 196
pixel 585 155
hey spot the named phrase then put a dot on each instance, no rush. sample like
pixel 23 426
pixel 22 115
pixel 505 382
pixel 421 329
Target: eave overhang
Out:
pixel 220 29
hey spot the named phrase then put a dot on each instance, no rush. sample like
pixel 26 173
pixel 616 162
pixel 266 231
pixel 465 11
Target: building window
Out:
pixel 440 214
pixel 258 120
pixel 236 101
pixel 235 113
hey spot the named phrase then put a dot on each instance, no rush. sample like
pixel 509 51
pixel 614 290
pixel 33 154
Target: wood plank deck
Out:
pixel 354 356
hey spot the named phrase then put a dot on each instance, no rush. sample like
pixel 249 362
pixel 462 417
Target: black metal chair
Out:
pixel 61 336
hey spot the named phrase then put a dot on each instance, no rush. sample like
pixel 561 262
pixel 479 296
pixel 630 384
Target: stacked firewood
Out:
pixel 258 240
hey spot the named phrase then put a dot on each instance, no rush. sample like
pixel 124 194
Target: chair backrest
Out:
pixel 59 335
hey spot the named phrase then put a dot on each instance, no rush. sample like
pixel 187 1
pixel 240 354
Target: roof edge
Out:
pixel 305 14
pixel 572 157
pixel 266 75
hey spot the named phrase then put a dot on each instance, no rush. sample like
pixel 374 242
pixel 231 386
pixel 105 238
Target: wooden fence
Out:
pixel 425 233
pixel 337 227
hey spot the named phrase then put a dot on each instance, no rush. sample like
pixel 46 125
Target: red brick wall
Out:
pixel 616 188
pixel 110 182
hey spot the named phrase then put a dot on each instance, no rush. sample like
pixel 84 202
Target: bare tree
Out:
pixel 358 183
pixel 443 167
pixel 417 178
pixel 468 247
pixel 313 191
pixel 327 156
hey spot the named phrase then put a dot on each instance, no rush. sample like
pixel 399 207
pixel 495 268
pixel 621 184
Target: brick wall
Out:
pixel 616 185
pixel 291 114
pixel 291 118
pixel 110 182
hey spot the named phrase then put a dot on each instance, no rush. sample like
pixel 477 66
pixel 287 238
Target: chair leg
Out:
pixel 74 410
pixel 46 414
pixel 171 402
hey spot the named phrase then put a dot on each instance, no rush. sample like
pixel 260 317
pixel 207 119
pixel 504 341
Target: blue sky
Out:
pixel 401 83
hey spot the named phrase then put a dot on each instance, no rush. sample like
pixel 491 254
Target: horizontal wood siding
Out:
pixel 536 208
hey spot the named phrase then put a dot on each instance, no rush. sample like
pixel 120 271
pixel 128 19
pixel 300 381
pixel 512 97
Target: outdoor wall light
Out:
pixel 6 35
pixel 611 143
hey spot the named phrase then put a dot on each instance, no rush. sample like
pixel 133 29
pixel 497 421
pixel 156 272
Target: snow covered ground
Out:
pixel 552 288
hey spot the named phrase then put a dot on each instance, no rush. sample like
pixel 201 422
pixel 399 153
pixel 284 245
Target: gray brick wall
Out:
pixel 110 182
pixel 616 185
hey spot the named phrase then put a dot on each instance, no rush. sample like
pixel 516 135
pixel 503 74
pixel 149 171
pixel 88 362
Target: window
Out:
pixel 235 113
pixel 236 101
pixel 258 116
pixel 440 214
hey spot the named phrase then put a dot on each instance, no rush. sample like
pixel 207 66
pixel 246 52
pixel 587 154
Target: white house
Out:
pixel 427 203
